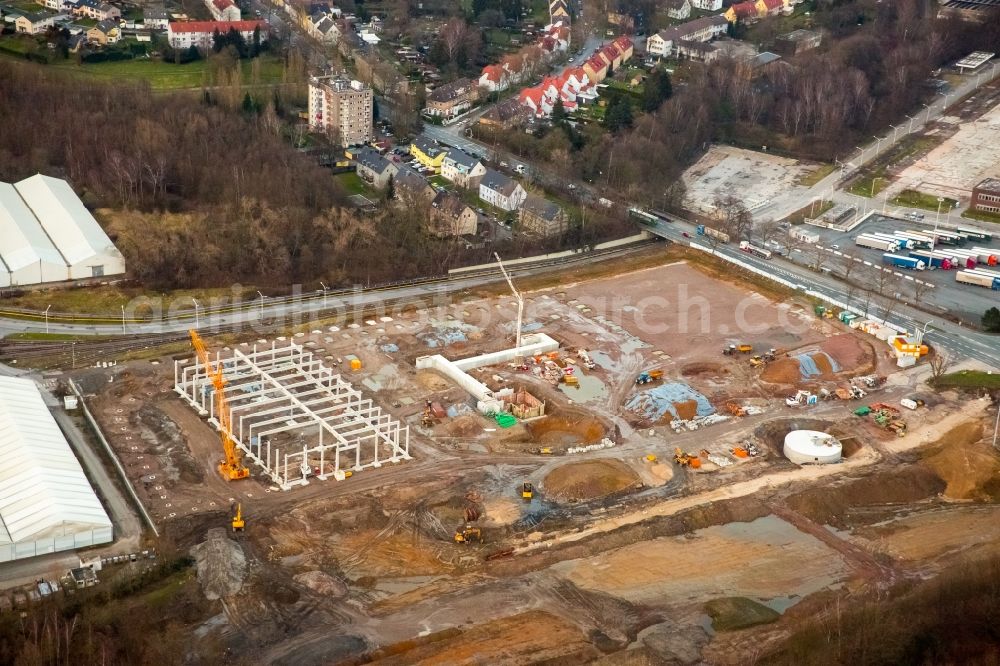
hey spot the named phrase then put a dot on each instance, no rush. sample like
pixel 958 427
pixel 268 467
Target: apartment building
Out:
pixel 342 108
pixel 182 35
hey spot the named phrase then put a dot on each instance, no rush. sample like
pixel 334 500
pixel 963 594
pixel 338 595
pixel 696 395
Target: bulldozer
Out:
pixel 237 520
pixel 686 459
pixel 468 534
pixel 756 362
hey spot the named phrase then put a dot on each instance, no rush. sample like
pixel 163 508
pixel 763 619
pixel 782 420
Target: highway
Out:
pixel 961 343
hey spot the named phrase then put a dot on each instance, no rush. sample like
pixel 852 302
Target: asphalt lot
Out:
pixel 966 301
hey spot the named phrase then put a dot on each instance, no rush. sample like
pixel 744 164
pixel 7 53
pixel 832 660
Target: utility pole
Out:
pixel 261 305
pixel 47 319
pixel 324 294
pixel 123 320
pixel 197 321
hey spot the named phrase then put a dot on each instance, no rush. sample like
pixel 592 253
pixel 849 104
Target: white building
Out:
pixel 462 169
pixel 707 5
pixel 501 191
pixel 47 235
pixel 223 10
pixel 666 43
pixel 46 503
pixel 182 35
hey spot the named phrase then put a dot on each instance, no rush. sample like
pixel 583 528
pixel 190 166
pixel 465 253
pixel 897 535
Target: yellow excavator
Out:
pixel 238 522
pixel 468 534
pixel 231 467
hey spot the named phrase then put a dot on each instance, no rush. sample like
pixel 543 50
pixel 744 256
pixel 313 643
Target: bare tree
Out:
pixel 939 363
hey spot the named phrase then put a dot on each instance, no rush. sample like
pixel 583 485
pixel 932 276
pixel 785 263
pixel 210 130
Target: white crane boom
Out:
pixel 520 306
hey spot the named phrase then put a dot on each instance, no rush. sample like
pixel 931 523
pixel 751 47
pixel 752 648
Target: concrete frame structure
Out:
pixel 276 390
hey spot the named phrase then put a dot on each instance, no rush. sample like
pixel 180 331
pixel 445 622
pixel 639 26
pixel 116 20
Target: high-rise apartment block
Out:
pixel 341 108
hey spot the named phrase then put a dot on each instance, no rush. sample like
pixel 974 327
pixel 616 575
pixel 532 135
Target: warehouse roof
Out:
pixel 73 230
pixel 43 490
pixel 24 242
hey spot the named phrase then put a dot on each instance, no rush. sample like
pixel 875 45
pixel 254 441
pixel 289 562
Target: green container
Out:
pixel 863 411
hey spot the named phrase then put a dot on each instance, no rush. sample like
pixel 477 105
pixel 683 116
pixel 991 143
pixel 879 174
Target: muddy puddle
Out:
pixel 566 430
pixel 589 389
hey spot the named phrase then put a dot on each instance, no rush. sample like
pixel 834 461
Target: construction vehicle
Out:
pixel 842 394
pixel 800 398
pixel 231 467
pixel 731 350
pixel 770 354
pixel 468 534
pixel 527 490
pixel 756 362
pixel 571 380
pixel 649 376
pixel 427 418
pixel 650 458
pixel 735 408
pixel 238 523
pixel 686 459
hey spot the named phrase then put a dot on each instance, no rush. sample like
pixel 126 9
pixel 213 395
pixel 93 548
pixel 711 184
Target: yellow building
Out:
pixel 428 153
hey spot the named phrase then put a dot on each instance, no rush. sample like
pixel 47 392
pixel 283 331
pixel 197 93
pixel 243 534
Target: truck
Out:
pixel 874 243
pixel 987 256
pixel 916 242
pixel 978 279
pixel 702 230
pixel 750 248
pixel 953 261
pixel 966 258
pixel 931 260
pixel 904 243
pixel 976 234
pixel 904 262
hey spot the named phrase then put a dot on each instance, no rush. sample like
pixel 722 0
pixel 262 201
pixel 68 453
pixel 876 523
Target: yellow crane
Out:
pixel 231 467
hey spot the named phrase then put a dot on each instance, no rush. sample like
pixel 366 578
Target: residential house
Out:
pixel 986 196
pixel 541 217
pixel 223 10
pixel 155 19
pixel 104 33
pixel 678 9
pixel 707 5
pixel 625 47
pixel 34 24
pixel 746 12
pixel 182 35
pixel 666 43
pixel 558 9
pixel 450 216
pixel 773 7
pixel 323 27
pixel 99 11
pixel 506 115
pixel 428 152
pixel 572 87
pixel 412 188
pixel 596 67
pixel 515 67
pixel 501 191
pixel 55 5
pixel 796 42
pixel 462 168
pixel 373 168
pixel 697 51
pixel 451 99
pixel 376 25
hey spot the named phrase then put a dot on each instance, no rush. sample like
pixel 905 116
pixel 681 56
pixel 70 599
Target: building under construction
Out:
pixel 292 415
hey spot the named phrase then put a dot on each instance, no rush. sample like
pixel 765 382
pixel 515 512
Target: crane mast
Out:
pixel 231 467
pixel 520 306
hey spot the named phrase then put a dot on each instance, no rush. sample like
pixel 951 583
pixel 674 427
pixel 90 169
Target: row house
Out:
pixel 373 168
pixel 99 11
pixel 573 87
pixel 182 35
pixel 752 10
pixel 515 67
pixel 223 10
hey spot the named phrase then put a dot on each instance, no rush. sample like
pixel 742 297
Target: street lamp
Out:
pixel 261 305
pixel 894 130
pixel 909 128
pixel 873 185
pixel 47 319
pixel 927 116
pixel 123 320
pixel 197 322
pixel 937 218
pixel 324 294
pixel 878 145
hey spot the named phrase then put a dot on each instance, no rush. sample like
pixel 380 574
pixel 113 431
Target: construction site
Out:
pixel 568 470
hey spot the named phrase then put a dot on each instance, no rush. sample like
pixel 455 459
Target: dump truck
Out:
pixel 649 376
pixel 686 459
pixel 527 490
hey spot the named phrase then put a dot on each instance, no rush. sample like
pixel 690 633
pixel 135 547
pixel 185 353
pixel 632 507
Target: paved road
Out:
pixel 793 201
pixel 961 343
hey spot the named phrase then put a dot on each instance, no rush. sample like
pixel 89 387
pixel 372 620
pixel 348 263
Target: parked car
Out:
pixel 519 168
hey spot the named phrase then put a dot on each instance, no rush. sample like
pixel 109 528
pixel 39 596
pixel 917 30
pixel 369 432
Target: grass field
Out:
pixel 870 184
pixel 353 184
pixel 810 211
pixel 915 199
pixel 979 215
pixel 969 379
pixel 107 300
pixel 163 75
pixel 821 172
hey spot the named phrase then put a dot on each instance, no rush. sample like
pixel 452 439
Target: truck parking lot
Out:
pixel 936 289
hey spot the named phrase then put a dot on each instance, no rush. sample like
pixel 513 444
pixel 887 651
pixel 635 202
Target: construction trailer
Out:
pixel 292 416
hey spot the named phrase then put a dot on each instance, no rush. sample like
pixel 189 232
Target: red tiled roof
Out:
pixel 596 62
pixel 623 43
pixel 222 5
pixel 212 26
pixel 774 4
pixel 745 9
pixel 493 73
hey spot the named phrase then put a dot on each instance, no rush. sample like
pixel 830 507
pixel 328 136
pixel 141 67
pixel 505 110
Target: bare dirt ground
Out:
pixel 589 480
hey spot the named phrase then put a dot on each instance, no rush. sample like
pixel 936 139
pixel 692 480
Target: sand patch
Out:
pixel 589 480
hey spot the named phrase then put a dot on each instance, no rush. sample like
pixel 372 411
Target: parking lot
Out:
pixel 839 250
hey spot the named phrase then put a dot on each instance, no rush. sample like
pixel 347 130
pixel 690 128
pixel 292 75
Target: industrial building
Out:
pixel 46 503
pixel 341 108
pixel 986 196
pixel 47 235
pixel 293 416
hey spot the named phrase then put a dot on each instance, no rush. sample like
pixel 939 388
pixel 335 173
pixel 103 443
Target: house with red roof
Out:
pixel 742 11
pixel 184 34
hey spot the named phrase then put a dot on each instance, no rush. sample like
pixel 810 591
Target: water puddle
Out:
pixel 589 389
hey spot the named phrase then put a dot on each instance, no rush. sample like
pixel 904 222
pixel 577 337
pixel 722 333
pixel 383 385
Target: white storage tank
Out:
pixel 805 447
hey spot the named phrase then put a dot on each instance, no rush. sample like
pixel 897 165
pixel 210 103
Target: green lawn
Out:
pixel 165 75
pixel 19 44
pixel 813 177
pixel 869 185
pixel 810 211
pixel 915 199
pixel 353 184
pixel 969 379
pixel 979 215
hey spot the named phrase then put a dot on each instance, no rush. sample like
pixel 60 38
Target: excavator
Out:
pixel 238 522
pixel 231 467
pixel 468 534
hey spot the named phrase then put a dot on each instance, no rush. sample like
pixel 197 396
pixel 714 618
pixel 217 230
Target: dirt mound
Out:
pixel 686 410
pixel 847 350
pixel 221 564
pixel 566 430
pixel 465 426
pixel 782 371
pixel 699 369
pixel 589 480
pixel 822 362
pixel 432 381
pixel 964 462
pixel 833 505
